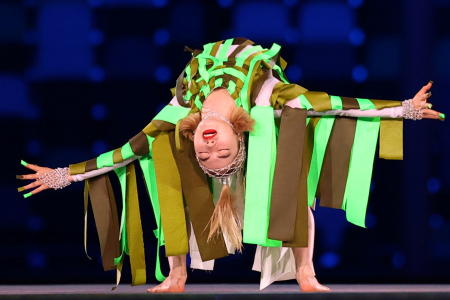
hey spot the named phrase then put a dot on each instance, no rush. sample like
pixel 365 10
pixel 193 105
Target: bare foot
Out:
pixel 307 281
pixel 172 284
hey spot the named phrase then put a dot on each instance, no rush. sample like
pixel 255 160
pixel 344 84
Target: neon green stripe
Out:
pixel 260 169
pixel 231 87
pixel 105 160
pixel 321 136
pixel 223 49
pixel 241 57
pixel 360 169
pixel 304 103
pixel 197 102
pixel 126 151
pixel 122 175
pixel 218 82
pixel 230 71
pixel 172 114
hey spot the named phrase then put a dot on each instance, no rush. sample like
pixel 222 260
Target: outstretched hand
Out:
pixel 420 102
pixel 36 184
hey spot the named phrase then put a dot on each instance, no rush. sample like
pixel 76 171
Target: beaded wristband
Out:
pixel 56 179
pixel 410 112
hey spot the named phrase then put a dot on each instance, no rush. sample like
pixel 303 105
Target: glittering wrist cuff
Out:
pixel 410 112
pixel 56 179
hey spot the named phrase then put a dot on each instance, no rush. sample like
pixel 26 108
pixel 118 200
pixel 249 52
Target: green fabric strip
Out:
pixel 260 171
pixel 304 103
pixel 223 50
pixel 321 137
pixel 361 163
pixel 127 151
pixel 105 159
pixel 148 170
pixel 172 114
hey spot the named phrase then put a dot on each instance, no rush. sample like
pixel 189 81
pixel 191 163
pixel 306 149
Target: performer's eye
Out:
pixel 203 156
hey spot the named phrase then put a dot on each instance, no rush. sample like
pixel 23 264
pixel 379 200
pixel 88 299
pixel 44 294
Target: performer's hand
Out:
pixel 420 102
pixel 36 184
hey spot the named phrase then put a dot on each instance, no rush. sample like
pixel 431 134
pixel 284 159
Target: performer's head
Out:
pixel 218 140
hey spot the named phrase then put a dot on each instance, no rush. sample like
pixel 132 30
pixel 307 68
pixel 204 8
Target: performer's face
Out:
pixel 216 144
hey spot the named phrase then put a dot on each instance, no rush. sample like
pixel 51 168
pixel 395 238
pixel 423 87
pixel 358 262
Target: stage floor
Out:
pixel 225 291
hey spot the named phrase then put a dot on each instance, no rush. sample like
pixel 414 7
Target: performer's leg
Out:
pixel 304 264
pixel 176 280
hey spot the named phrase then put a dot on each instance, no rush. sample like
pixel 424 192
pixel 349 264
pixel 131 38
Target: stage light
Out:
pixel 359 73
pixel 329 260
pixel 398 260
pixel 435 221
pixel 99 112
pixel 356 37
pixel 96 37
pixel 294 73
pixel 161 37
pixel 163 74
pixel 433 185
pixel 355 3
pixel 97 74
pixel 96 3
pixel 159 3
pixel 290 2
pixel 99 147
pixel 225 3
pixel 36 260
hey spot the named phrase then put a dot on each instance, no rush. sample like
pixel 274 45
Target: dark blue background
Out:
pixel 78 78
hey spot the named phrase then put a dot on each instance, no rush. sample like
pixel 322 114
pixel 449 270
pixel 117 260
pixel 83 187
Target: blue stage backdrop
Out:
pixel 78 78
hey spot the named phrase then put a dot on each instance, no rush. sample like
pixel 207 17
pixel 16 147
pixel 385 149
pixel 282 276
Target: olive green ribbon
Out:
pixel 361 163
pixel 262 151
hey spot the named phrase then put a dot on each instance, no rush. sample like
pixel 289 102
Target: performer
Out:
pixel 239 154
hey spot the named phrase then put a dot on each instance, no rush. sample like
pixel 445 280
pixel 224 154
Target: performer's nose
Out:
pixel 210 142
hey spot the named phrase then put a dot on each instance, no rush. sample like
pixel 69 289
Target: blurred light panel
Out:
pixel 325 22
pixel 442 58
pixel 130 57
pixel 99 112
pixel 433 185
pixel 161 37
pixel 384 57
pixel 290 2
pixel 14 98
pixel 355 3
pixel 134 3
pixel 36 260
pixel 12 22
pixel 163 74
pixel 398 260
pixel 35 223
pixel 259 21
pixel 34 147
pixel 64 49
pixel 225 3
pixel 329 260
pixel 97 74
pixel 359 73
pixel 356 37
pixel 96 37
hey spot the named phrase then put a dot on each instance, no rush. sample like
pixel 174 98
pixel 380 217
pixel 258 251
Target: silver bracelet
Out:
pixel 56 179
pixel 410 112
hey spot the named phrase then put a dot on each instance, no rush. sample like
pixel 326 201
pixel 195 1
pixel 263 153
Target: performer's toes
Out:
pixel 307 282
pixel 169 285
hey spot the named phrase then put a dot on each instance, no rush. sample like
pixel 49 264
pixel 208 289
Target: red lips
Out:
pixel 209 134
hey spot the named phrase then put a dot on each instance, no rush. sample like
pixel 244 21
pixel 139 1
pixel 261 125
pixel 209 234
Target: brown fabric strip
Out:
pixel 198 197
pixel 286 181
pixel 336 162
pixel 106 218
pixel 139 144
pixel 117 156
pixel 349 103
pixel 301 220
pixel 91 165
pixel 260 77
pixel 78 168
pixel 239 48
pixel 215 48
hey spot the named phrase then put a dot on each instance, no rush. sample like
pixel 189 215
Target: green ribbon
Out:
pixel 361 163
pixel 172 114
pixel 260 170
pixel 321 136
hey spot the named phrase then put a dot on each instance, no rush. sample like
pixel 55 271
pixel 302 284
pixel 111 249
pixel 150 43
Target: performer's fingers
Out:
pixel 35 191
pixel 425 88
pixel 432 114
pixel 29 186
pixel 425 105
pixel 27 176
pixel 30 166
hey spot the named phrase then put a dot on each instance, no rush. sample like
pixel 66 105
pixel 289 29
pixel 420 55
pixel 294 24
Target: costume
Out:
pixel 298 150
